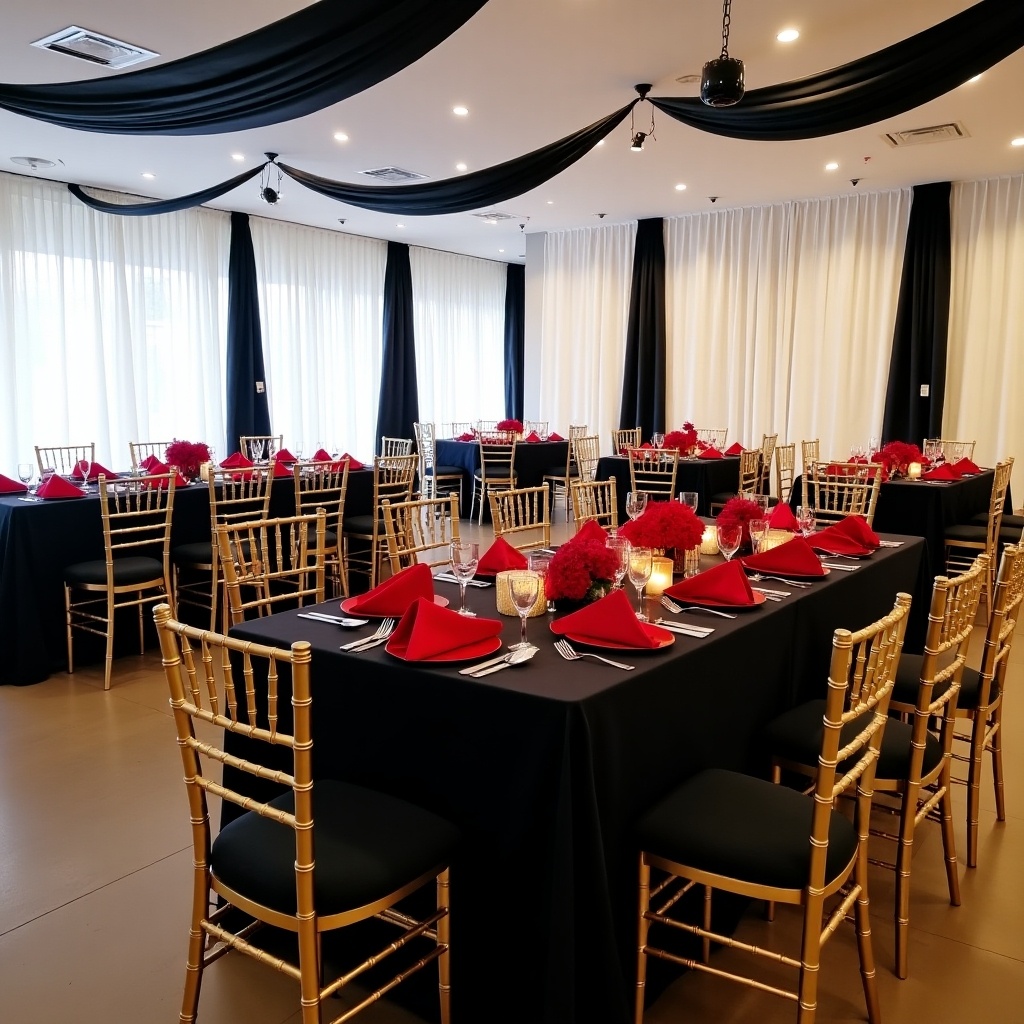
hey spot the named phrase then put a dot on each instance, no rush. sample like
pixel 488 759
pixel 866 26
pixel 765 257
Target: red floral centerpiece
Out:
pixel 896 456
pixel 582 570
pixel 739 512
pixel 684 440
pixel 664 524
pixel 187 456
pixel 515 426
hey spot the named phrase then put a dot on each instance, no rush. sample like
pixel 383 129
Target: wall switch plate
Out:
pixel 925 390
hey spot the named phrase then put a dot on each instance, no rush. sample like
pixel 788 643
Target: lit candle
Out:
pixel 661 576
pixel 709 542
pixel 914 471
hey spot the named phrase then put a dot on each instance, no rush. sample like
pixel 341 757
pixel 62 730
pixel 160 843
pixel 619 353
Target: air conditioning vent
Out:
pixel 393 174
pixel 94 47
pixel 933 133
pixel 494 216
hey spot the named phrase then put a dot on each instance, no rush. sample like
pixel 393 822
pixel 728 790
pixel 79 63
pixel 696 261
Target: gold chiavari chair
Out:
pixel 764 476
pixel 486 426
pixel 714 436
pixel 836 490
pixel 595 500
pixel 63 459
pixel 235 496
pixel 325 485
pixel 723 830
pixel 139 451
pixel 540 427
pixel 495 473
pixel 750 473
pixel 577 430
pixel 424 527
pixel 435 480
pixel 522 517
pixel 954 451
pixel 810 451
pixel 272 563
pixel 391 446
pixel 913 772
pixel 586 454
pixel 271 443
pixel 393 478
pixel 625 440
pixel 558 478
pixel 654 472
pixel 785 468
pixel 321 856
pixel 136 568
pixel 457 428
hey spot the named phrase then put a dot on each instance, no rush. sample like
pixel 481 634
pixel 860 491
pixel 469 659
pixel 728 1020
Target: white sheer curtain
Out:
pixel 112 329
pixel 585 302
pixel 780 318
pixel 321 309
pixel 459 325
pixel 984 385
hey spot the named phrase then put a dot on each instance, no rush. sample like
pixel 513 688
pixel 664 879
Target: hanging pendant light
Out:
pixel 721 83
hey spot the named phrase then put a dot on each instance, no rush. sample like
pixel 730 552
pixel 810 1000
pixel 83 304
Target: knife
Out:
pixel 473 669
pixel 448 578
pixel 841 568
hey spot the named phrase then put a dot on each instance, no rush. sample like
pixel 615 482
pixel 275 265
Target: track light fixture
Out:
pixel 638 142
pixel 721 83
pixel 637 139
pixel 268 193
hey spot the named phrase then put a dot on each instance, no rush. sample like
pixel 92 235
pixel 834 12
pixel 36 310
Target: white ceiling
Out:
pixel 530 72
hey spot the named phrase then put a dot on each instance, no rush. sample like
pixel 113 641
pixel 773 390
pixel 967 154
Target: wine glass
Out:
pixel 805 519
pixel 636 502
pixel 523 586
pixel 539 563
pixel 690 499
pixel 758 531
pixel 25 472
pixel 729 537
pixel 299 448
pixel 85 468
pixel 465 556
pixel 256 451
pixel 640 565
pixel 658 440
pixel 621 547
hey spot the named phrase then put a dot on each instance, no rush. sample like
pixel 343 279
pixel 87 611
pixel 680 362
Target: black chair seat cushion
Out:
pixel 367 845
pixel 743 828
pixel 795 736
pixel 909 671
pixel 199 552
pixel 491 478
pixel 362 524
pixel 1010 523
pixel 444 471
pixel 559 472
pixel 722 497
pixel 967 532
pixel 126 572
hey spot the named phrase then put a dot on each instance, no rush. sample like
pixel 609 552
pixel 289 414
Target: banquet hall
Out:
pixel 853 285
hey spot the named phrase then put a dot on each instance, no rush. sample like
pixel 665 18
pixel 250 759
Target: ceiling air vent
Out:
pixel 394 174
pixel 494 216
pixel 920 136
pixel 95 48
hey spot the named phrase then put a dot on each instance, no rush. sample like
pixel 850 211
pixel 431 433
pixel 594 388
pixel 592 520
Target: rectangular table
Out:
pixel 545 768
pixel 705 476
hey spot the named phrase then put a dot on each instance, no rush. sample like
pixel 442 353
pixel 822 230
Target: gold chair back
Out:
pixel 654 472
pixel 424 527
pixel 457 428
pixel 750 471
pixel 433 483
pixel 625 440
pixel 595 500
pixel 324 485
pixel 836 490
pixel 486 426
pixel 586 452
pixel 496 472
pixel 785 468
pixel 272 443
pixel 714 436
pixel 139 451
pixel 954 451
pixel 809 452
pixel 767 454
pixel 522 516
pixel 392 446
pixel 577 430
pixel 540 427
pixel 63 459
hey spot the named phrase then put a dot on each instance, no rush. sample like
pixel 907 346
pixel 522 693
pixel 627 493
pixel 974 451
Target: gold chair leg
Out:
pixel 862 917
pixel 444 981
pixel 109 666
pixel 810 959
pixel 142 635
pixel 904 854
pixel 949 842
pixel 996 747
pixel 974 771
pixel 643 929
pixel 67 614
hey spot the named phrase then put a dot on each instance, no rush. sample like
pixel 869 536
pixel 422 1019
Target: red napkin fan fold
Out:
pixel 353 462
pixel 281 468
pixel 467 436
pixel 782 518
pixel 58 487
pixel 236 461
pixel 795 556
pixel 9 486
pixel 149 462
pixel 499 557
pixel 394 596
pixel 966 466
pixel 321 456
pixel 285 456
pixel 96 470
pixel 943 472
pixel 724 584
pixel 532 436
pixel 611 619
pixel 734 449
pixel 711 453
pixel 555 437
pixel 591 530
pixel 427 631
pixel 856 528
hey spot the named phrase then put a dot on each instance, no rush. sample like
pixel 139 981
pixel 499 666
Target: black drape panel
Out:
pixel 399 406
pixel 643 375
pixel 515 339
pixel 318 56
pixel 248 409
pixel 881 85
pixel 922 322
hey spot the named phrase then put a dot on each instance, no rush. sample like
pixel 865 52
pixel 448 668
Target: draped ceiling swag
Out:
pixel 337 48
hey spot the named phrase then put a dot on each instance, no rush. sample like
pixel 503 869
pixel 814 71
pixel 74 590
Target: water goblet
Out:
pixel 805 519
pixel 85 468
pixel 25 472
pixel 729 537
pixel 761 500
pixel 640 565
pixel 690 499
pixel 758 531
pixel 636 502
pixel 539 562
pixel 658 440
pixel 256 450
pixel 621 546
pixel 465 557
pixel 523 587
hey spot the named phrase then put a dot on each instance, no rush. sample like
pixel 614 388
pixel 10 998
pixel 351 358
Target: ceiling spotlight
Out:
pixel 680 187
pixel 238 157
pixel 148 175
pixel 460 111
pixel 721 83
pixel 788 35
pixel 1017 142
pixel 270 194
pixel 340 137
pixel 832 166
pixel 460 167
pixel 638 142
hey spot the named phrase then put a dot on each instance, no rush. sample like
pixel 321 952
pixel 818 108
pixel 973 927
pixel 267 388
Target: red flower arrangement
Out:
pixel 739 512
pixel 896 456
pixel 684 440
pixel 581 570
pixel 514 425
pixel 188 456
pixel 664 524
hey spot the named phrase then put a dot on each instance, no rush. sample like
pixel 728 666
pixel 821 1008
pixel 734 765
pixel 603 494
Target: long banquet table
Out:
pixel 546 766
pixel 705 476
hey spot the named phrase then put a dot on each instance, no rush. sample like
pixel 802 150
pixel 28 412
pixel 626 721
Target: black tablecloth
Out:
pixel 705 476
pixel 546 767
pixel 38 539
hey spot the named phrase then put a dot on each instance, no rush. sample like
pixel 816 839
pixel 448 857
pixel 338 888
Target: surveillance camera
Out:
pixel 600 216
pixel 269 195
pixel 341 220
pixel 713 199
pixel 855 182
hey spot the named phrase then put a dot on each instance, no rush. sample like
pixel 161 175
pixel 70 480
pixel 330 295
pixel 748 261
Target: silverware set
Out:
pixel 567 651
pixel 772 595
pixel 758 577
pixel 840 566
pixel 676 608
pixel 382 635
pixel 337 620
pixel 447 577
pixel 485 668
pixel 685 628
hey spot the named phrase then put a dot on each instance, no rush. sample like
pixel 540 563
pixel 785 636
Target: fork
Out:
pixel 673 606
pixel 383 632
pixel 757 577
pixel 567 651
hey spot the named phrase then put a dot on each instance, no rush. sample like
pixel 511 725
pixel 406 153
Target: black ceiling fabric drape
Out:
pixel 865 91
pixel 399 407
pixel 247 405
pixel 515 339
pixel 643 373
pixel 150 207
pixel 468 191
pixel 316 57
pixel 922 321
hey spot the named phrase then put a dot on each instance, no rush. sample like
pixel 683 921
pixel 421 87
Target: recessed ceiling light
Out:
pixel 832 166
pixel 148 175
pixel 340 137
pixel 501 250
pixel 491 220
pixel 238 156
pixel 680 187
pixel 1017 142
pixel 460 167
pixel 788 35
pixel 460 111
pixel 399 225
pixel 551 202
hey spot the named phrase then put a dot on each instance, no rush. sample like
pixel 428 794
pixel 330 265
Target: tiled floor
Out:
pixel 95 868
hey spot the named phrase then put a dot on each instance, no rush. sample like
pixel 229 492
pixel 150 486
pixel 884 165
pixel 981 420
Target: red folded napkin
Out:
pixel 281 468
pixel 966 466
pixel 943 472
pixel 427 631
pixel 394 596
pixel 149 462
pixel 555 437
pixel 467 436
pixel 711 453
pixel 591 530
pixel 724 584
pixel 610 620
pixel 162 478
pixel 353 462
pixel 795 557
pixel 782 518
pixel 499 557
pixel 840 540
pixel 734 449
pixel 236 461
pixel 9 486
pixel 95 471
pixel 856 528
pixel 285 456
pixel 321 456
pixel 58 487
pixel 532 436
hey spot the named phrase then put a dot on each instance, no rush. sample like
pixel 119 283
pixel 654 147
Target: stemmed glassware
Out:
pixel 658 440
pixel 256 450
pixel 85 468
pixel 805 519
pixel 636 502
pixel 523 586
pixel 465 557
pixel 758 531
pixel 25 472
pixel 621 547
pixel 640 565
pixel 690 499
pixel 729 537
pixel 539 562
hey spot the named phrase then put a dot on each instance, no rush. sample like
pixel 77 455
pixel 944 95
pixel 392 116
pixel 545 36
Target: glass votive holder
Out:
pixel 661 576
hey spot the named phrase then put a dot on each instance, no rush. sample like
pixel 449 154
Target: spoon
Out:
pixel 516 657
